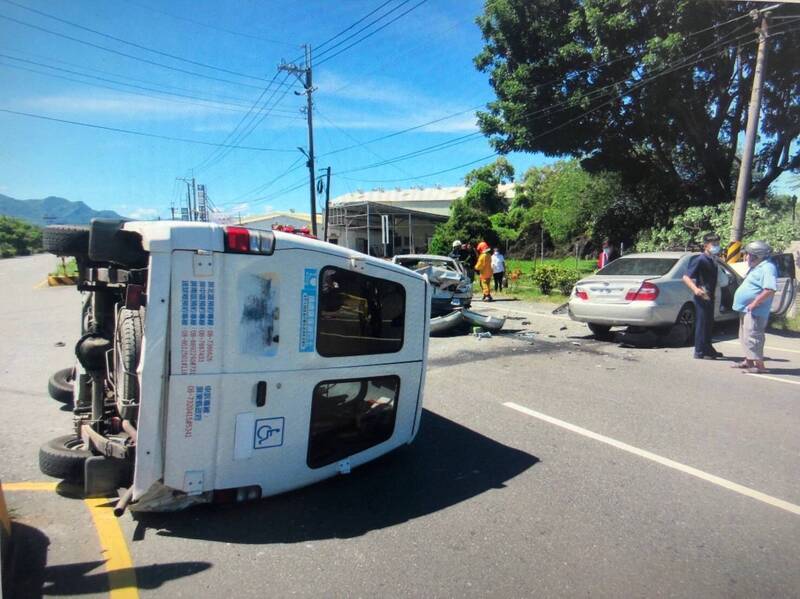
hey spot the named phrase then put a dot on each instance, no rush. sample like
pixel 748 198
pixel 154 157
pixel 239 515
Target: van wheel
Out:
pixel 129 344
pixel 64 457
pixel 66 240
pixel 685 324
pixel 601 332
pixel 60 385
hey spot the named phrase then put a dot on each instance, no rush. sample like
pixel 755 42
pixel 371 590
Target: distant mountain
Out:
pixel 52 211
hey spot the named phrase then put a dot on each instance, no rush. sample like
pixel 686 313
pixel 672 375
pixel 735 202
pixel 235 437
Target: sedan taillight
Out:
pixel 646 293
pixel 581 293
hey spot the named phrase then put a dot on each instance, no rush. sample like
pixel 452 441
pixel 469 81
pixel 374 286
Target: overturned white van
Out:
pixel 221 363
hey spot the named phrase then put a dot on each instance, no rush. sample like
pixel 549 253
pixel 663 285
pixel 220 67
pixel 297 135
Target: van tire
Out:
pixel 601 332
pixel 60 386
pixel 64 457
pixel 66 240
pixel 129 345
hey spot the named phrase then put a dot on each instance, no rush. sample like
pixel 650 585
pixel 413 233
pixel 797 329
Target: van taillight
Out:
pixel 646 293
pixel 249 241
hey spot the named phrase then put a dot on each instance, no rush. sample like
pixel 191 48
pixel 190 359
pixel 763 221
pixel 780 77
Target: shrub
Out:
pixel 553 276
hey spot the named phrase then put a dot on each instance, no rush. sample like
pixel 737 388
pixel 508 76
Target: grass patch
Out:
pixel 66 268
pixel 528 266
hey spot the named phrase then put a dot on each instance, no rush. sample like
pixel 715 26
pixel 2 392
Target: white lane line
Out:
pixel 769 347
pixel 773 378
pixel 727 484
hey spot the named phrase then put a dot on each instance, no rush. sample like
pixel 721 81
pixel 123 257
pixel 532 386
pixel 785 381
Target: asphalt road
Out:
pixel 620 470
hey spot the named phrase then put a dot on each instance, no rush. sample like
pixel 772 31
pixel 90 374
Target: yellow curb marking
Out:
pixel 119 565
pixel 31 486
pixel 42 284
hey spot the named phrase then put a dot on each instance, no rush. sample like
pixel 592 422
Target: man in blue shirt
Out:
pixel 701 278
pixel 753 299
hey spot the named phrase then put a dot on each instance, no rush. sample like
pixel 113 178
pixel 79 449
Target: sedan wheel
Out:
pixel 685 323
pixel 601 332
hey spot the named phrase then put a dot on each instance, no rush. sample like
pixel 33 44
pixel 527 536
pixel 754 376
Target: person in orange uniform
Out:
pixel 484 269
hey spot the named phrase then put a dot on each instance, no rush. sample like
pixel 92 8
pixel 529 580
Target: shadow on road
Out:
pixel 447 464
pixel 27 576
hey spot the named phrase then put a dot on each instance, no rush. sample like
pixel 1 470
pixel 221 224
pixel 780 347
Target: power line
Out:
pixel 129 43
pixel 125 54
pixel 348 28
pixel 203 102
pixel 396 133
pixel 141 133
pixel 368 149
pixel 538 86
pixel 264 111
pixel 364 28
pixel 371 33
pixel 232 133
pixel 236 100
pixel 213 27
pixel 669 69
pixel 295 166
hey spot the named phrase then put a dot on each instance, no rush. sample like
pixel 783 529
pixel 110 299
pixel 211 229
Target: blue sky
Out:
pixel 415 70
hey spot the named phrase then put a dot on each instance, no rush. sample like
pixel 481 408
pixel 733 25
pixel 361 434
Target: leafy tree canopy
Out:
pixel 567 201
pixel 655 91
pixel 18 238
pixel 466 224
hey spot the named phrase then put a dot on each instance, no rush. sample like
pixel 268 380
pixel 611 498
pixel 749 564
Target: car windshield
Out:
pixel 651 267
pixel 417 263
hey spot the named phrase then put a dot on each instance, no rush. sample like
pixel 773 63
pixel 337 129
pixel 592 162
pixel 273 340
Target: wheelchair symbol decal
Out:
pixel 268 432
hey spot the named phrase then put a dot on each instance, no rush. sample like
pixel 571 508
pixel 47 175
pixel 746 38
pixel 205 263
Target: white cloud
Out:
pixel 124 105
pixel 144 214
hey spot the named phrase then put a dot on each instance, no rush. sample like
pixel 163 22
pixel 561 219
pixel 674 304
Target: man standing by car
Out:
pixel 701 278
pixel 753 299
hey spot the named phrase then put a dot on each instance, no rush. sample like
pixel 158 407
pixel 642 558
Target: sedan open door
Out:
pixel 787 284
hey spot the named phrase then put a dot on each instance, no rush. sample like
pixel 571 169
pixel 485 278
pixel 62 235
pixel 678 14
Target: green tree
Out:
pixel 570 203
pixel 654 91
pixel 469 216
pixel 18 238
pixel 465 224
pixel 498 172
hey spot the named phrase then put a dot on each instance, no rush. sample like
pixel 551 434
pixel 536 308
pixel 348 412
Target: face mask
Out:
pixel 714 249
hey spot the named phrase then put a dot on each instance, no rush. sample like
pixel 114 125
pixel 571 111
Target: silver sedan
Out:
pixel 646 291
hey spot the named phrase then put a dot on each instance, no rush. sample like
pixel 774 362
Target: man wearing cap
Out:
pixel 701 278
pixel 753 299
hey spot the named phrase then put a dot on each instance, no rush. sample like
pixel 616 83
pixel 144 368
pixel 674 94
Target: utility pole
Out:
pixel 189 199
pixel 194 200
pixel 753 111
pixel 328 203
pixel 307 82
pixel 190 210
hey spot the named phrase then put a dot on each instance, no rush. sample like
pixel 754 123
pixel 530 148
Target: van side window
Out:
pixel 349 416
pixel 358 314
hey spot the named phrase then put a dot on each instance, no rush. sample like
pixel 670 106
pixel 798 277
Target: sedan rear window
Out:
pixel 651 267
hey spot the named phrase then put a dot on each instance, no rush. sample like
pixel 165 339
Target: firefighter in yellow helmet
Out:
pixel 484 269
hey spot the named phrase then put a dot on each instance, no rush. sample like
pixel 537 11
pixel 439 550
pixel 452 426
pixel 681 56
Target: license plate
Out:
pixel 455 302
